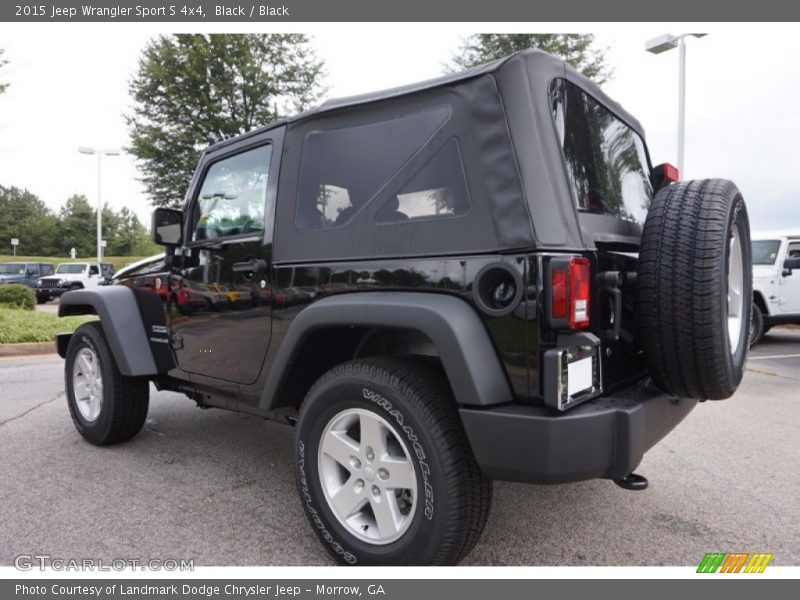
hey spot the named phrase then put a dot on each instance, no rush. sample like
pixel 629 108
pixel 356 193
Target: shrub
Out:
pixel 15 295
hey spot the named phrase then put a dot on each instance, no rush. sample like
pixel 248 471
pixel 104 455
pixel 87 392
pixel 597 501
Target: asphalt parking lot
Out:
pixel 218 487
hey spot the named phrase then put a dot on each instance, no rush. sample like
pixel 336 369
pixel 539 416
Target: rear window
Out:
pixel 765 252
pixel 606 160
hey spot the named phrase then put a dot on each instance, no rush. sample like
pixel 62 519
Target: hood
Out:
pixel 761 271
pixel 63 276
pixel 11 278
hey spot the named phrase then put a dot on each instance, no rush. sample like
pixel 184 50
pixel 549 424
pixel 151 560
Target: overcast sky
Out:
pixel 69 87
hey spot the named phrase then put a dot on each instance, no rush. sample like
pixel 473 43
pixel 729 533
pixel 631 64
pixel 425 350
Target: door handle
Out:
pixel 250 266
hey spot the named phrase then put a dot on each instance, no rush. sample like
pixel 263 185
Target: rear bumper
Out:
pixel 605 437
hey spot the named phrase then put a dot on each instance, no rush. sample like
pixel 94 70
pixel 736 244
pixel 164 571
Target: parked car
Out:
pixel 776 281
pixel 26 273
pixel 72 276
pixel 484 278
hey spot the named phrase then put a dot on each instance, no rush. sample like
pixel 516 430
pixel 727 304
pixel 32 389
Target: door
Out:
pixel 789 288
pixel 220 309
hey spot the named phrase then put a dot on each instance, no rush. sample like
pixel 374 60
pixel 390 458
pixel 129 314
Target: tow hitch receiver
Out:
pixel 633 482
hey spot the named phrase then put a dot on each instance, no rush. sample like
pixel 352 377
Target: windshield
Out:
pixel 606 160
pixel 71 268
pixel 765 252
pixel 12 269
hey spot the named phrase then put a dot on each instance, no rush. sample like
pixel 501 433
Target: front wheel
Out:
pixel 106 407
pixel 385 472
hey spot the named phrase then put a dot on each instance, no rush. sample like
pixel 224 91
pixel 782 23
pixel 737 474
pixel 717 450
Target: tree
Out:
pixel 576 48
pixel 195 90
pixel 128 237
pixel 28 219
pixel 78 226
pixel 3 63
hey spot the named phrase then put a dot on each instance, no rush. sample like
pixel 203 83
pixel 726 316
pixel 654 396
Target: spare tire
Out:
pixel 694 289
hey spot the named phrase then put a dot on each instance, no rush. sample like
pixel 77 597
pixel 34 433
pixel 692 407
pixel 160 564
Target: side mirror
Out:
pixel 790 264
pixel 167 227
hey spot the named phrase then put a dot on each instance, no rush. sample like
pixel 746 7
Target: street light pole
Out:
pixel 99 153
pixel 662 44
pixel 681 100
pixel 99 208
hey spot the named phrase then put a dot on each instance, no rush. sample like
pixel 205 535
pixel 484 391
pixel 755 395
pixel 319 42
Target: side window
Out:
pixel 94 270
pixel 232 198
pixel 341 170
pixel 437 191
pixel 46 269
pixel 33 270
pixel 793 251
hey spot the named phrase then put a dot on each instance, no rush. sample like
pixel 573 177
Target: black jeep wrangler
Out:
pixel 478 277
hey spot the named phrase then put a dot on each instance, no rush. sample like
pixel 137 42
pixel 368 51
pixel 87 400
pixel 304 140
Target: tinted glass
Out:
pixel 233 196
pixel 765 252
pixel 342 169
pixel 12 269
pixel 606 160
pixel 71 268
pixel 437 191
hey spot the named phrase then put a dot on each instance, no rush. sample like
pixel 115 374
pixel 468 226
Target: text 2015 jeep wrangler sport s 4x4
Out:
pixel 479 277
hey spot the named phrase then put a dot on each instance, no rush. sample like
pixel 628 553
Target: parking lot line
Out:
pixel 774 356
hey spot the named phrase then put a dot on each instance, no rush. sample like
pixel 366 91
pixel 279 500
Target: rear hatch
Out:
pixel 608 167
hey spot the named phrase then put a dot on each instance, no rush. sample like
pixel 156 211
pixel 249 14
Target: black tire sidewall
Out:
pixel 737 219
pixel 94 431
pixel 419 544
pixel 757 325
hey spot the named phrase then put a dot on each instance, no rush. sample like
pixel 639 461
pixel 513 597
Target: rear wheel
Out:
pixel 384 469
pixel 106 407
pixel 695 289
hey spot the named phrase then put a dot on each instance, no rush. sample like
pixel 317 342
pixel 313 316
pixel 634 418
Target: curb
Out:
pixel 27 349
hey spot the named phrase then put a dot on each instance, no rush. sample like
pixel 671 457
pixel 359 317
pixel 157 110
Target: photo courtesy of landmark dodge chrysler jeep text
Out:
pixel 473 278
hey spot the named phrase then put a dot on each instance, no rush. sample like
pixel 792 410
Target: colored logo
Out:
pixel 736 562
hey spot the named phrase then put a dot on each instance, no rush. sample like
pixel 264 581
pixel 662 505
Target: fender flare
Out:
pixel 122 324
pixel 467 352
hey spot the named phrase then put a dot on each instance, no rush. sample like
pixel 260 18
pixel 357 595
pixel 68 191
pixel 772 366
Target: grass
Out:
pixel 18 326
pixel 117 261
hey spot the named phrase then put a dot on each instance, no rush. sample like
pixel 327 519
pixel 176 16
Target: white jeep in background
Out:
pixel 72 276
pixel 776 281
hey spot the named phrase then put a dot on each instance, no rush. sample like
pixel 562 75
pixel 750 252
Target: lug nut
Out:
pixel 355 462
pixel 383 473
pixel 370 455
pixel 376 491
pixel 359 485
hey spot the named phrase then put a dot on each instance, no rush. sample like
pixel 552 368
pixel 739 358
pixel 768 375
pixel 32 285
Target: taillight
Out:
pixel 579 293
pixel 559 294
pixel 569 292
pixel 671 173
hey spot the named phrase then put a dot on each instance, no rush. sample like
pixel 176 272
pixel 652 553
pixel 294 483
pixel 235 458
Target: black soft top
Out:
pixel 534 59
pixel 500 117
